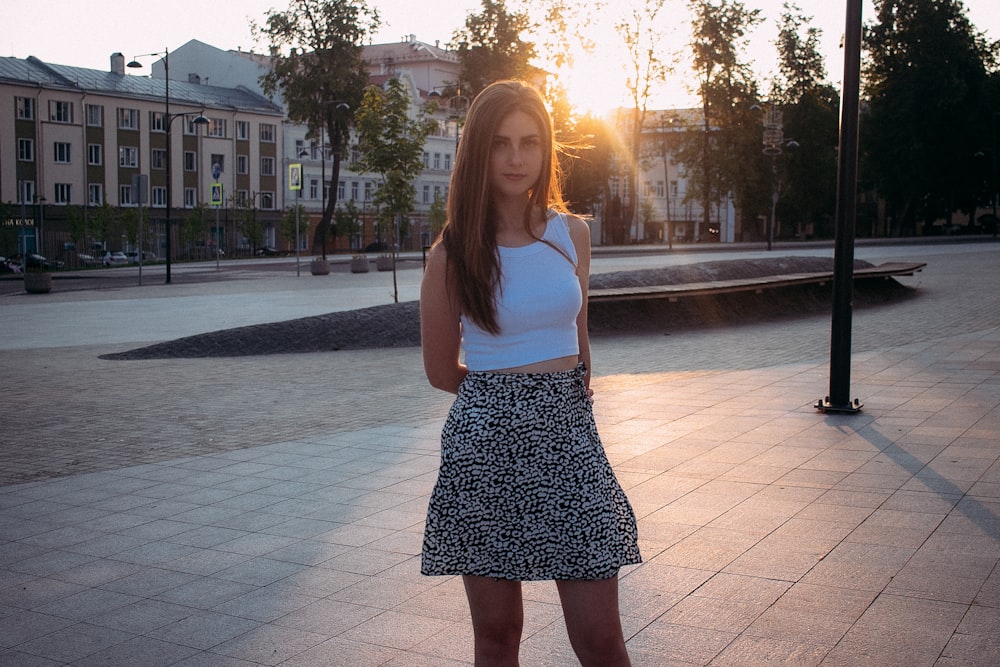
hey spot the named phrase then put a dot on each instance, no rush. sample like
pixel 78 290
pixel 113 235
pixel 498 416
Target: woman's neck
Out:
pixel 510 224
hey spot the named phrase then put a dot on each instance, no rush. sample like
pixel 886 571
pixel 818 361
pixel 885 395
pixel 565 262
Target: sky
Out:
pixel 85 34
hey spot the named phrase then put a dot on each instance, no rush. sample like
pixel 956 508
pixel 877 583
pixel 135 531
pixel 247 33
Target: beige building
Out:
pixel 78 137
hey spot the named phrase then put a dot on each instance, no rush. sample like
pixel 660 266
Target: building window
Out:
pixel 159 196
pixel 158 158
pixel 61 154
pixel 128 119
pixel 219 159
pixel 60 112
pixel 156 122
pixel 267 166
pixel 95 194
pixel 447 161
pixel 242 130
pixel 190 197
pixel 63 193
pixel 354 191
pixel 95 115
pixel 266 201
pixel 27 191
pixel 95 154
pixel 190 161
pixel 368 190
pixel 437 160
pixel 267 132
pixel 427 194
pixel 427 160
pixel 26 150
pixel 25 108
pixel 673 189
pixel 241 197
pixel 242 164
pixel 125 195
pixel 313 188
pixel 128 156
pixel 660 190
pixel 340 190
pixel 217 128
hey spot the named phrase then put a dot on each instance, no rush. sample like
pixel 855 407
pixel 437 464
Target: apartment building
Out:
pixel 75 137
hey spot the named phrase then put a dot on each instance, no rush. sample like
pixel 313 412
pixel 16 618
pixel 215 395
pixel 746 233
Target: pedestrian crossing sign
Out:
pixel 216 194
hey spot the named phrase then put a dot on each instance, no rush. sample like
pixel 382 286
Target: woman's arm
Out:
pixel 580 233
pixel 440 326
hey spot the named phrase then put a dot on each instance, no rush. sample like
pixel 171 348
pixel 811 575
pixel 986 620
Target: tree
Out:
pixel 296 213
pixel 437 214
pixel 811 104
pixel 927 113
pixel 490 47
pixel 347 221
pixel 317 66
pixel 194 225
pixel 716 156
pixel 586 162
pixel 248 223
pixel 391 145
pixel 646 69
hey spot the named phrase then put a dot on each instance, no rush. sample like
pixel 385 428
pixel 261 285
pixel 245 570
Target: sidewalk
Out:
pixel 269 510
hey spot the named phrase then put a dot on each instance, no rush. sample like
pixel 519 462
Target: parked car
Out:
pixel 35 261
pixel 115 259
pixel 133 257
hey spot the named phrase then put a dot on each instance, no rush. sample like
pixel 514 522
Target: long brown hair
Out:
pixel 470 232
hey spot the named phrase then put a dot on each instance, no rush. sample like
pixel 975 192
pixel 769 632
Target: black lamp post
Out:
pixel 168 120
pixel 996 186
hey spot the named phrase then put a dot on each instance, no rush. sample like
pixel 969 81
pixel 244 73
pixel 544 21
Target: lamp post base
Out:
pixel 850 408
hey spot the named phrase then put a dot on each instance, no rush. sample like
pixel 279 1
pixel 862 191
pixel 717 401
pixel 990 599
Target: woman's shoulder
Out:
pixel 576 226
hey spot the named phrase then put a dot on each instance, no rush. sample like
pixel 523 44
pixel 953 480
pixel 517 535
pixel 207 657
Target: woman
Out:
pixel 525 491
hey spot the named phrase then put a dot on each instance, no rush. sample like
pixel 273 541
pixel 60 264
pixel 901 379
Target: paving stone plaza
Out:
pixel 268 510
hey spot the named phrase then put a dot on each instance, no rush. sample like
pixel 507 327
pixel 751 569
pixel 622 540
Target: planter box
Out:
pixel 37 283
pixel 359 265
pixel 383 263
pixel 319 267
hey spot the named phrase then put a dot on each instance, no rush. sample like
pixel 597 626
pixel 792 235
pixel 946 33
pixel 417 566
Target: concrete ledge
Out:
pixel 757 284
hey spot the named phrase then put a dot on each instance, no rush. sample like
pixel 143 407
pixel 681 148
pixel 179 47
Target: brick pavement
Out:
pixel 268 510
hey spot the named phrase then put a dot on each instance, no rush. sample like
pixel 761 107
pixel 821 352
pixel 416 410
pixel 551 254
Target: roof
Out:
pixel 409 50
pixel 36 73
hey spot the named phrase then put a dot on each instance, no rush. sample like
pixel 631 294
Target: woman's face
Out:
pixel 516 155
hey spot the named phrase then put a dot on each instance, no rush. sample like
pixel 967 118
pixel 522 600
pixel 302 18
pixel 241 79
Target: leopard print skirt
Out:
pixel 524 490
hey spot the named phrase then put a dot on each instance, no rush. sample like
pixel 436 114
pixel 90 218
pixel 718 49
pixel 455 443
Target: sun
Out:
pixel 595 85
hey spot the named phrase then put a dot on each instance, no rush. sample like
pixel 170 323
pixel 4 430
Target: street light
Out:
pixel 168 120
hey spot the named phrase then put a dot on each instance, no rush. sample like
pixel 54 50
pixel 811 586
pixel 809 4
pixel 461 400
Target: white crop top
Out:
pixel 537 305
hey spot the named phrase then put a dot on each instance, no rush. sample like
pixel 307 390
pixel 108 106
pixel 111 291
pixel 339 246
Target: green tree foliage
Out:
pixel 317 67
pixel 289 219
pixel 347 221
pixel 928 110
pixel 248 222
pixel 490 47
pixel 391 145
pixel 808 170
pixel 716 154
pixel 437 215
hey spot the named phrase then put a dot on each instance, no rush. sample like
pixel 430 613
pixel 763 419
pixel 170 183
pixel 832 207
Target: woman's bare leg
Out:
pixel 497 620
pixel 593 621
